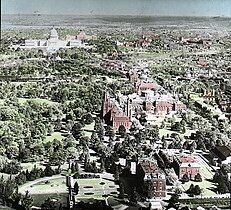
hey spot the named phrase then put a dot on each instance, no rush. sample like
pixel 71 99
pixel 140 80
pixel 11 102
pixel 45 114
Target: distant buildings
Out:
pixel 141 86
pixel 186 165
pixel 209 95
pixel 52 44
pixel 161 103
pixel 196 41
pixel 147 97
pixel 82 36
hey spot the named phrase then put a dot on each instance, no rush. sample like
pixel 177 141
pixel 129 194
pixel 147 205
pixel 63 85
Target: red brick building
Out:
pixel 179 106
pixel 163 106
pixel 149 106
pixel 147 170
pixel 146 86
pixel 115 116
pixel 225 105
pixel 186 165
pixel 133 77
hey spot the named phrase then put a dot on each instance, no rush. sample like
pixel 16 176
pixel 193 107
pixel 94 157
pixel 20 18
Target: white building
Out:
pixel 52 44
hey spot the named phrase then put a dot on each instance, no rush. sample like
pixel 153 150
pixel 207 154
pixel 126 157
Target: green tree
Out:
pixel 21 178
pixel 135 197
pixel 116 175
pixel 190 191
pixel 185 178
pixel 48 171
pixel 122 130
pixel 109 131
pixel 149 189
pixel 77 130
pixel 48 204
pixel 173 201
pixel 121 190
pixel 197 190
pixel 26 201
pixel 76 188
pixel 222 187
pixel 87 119
pixel 198 177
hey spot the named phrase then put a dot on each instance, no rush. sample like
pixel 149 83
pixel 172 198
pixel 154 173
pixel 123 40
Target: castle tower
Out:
pixel 105 104
pixel 128 108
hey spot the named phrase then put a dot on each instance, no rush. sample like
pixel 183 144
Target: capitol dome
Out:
pixel 54 34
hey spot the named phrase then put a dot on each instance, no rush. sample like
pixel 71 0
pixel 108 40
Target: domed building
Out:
pixel 52 44
pixel 54 34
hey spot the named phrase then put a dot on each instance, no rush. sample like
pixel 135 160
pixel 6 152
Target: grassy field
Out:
pixel 88 129
pixel 55 135
pixel 96 188
pixel 200 100
pixel 48 185
pixel 55 187
pixel 39 199
pixel 205 185
pixel 37 100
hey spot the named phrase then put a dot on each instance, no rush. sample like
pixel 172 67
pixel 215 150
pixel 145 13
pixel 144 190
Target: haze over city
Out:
pixel 120 7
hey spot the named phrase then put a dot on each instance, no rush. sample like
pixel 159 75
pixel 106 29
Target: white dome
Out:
pixel 54 34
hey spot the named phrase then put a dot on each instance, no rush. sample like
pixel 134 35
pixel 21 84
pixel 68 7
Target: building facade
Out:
pixel 149 172
pixel 114 115
pixel 186 165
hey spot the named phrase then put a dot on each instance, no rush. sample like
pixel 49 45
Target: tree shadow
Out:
pixel 213 189
pixel 209 180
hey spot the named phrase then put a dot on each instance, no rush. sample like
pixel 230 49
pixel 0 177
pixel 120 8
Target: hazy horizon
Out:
pixel 196 8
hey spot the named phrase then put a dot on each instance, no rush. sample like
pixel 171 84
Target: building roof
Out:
pixel 188 161
pixel 149 167
pixel 225 151
pixel 147 85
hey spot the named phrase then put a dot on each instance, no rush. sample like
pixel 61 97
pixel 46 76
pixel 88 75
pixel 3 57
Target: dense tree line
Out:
pixel 9 195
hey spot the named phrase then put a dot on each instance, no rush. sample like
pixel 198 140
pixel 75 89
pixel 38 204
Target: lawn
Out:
pixel 95 183
pixel 5 176
pixel 88 129
pixel 55 135
pixel 38 100
pixel 206 173
pixel 47 185
pixel 96 188
pixel 39 199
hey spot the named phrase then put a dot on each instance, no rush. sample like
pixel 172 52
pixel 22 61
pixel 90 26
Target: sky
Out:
pixel 119 7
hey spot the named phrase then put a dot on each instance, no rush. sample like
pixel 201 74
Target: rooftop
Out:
pixel 224 150
pixel 188 161
pixel 149 167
